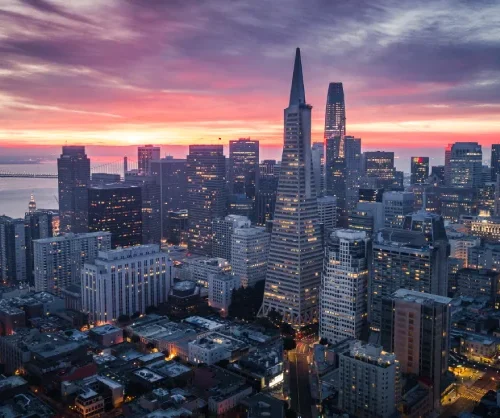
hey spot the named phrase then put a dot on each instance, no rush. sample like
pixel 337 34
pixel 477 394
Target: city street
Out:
pixel 300 391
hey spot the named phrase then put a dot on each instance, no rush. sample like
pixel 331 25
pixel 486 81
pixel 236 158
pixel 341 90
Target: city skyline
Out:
pixel 79 77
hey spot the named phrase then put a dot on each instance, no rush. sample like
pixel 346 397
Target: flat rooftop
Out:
pixel 105 329
pixel 419 297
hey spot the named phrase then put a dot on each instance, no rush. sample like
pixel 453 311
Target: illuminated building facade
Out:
pixel 206 194
pixel 464 164
pixel 379 166
pixel 344 282
pixel 295 257
pixel 145 155
pixel 335 121
pixel 419 169
pixel 244 167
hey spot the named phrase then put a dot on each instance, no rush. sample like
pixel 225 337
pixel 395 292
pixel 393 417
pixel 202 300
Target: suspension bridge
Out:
pixel 112 167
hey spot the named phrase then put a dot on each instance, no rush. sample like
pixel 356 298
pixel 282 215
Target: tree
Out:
pixel 246 302
pixel 152 309
pixel 135 315
pixel 123 319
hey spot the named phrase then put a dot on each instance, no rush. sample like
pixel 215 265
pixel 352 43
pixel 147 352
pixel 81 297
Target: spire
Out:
pixel 297 92
pixel 32 204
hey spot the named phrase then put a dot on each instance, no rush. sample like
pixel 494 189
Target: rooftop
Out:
pixel 148 375
pixel 419 297
pixel 105 329
pixel 70 236
pixel 215 340
pixel 372 354
pixel 205 323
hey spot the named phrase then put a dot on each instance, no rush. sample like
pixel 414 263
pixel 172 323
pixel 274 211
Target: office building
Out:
pixel 125 281
pixel 368 217
pixel 38 225
pixel 486 256
pixel 369 381
pixel 13 258
pixel 222 234
pixel 249 253
pixel 336 176
pixel 244 167
pixel 116 208
pixel 352 155
pixel 59 260
pixel 177 227
pixel 318 162
pixel 99 179
pixel 495 161
pixel 464 165
pixel 416 328
pixel 73 178
pixel 145 155
pixel 327 212
pixel 198 269
pixel 150 206
pixel 344 282
pixel 220 291
pixel 171 175
pixel 413 258
pixel 379 166
pixel 396 206
pixel 266 198
pixel 295 256
pixel 371 195
pixel 487 228
pixel 335 120
pixel 477 283
pixel 460 244
pixel 419 170
pixel 206 197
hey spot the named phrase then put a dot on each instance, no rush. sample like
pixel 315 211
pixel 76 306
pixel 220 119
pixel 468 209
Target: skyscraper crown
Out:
pixel 297 92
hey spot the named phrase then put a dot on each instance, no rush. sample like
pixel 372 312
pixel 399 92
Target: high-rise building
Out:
pixel 171 175
pixel 344 283
pixel 32 204
pixel 222 234
pixel 379 167
pixel 150 206
pixel 177 227
pixel 267 167
pixel 116 208
pixel 486 256
pixel 206 197
pixel 244 167
pixel 396 206
pixel 371 195
pixel 295 257
pixel 416 328
pixel 327 212
pixel 335 120
pixel 197 269
pixel 352 155
pixel 369 381
pixel 59 260
pixel 464 165
pixel 73 177
pixel 145 155
pixel 495 161
pixel 125 281
pixel 266 198
pixel 249 253
pixel 419 170
pixel 38 225
pixel 220 290
pixel 413 258
pixel 368 217
pixel 13 261
pixel 497 196
pixel 318 162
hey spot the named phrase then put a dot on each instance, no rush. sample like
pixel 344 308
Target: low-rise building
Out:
pixel 480 348
pixel 106 335
pixel 220 290
pixel 214 347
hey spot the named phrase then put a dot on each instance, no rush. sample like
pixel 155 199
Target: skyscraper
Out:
pixel 171 175
pixel 73 177
pixel 244 167
pixel 13 261
pixel 416 328
pixel 117 208
pixel 145 155
pixel 222 234
pixel 295 256
pixel 379 167
pixel 352 155
pixel 335 124
pixel 464 165
pixel 495 161
pixel 344 283
pixel 318 162
pixel 206 197
pixel 419 169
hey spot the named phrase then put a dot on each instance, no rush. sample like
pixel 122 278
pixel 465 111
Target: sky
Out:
pixel 416 74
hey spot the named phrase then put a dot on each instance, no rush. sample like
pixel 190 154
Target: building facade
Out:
pixel 145 155
pixel 222 234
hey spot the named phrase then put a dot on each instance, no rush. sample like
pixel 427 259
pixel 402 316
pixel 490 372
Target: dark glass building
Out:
pixel 73 177
pixel 495 161
pixel 116 208
pixel 244 167
pixel 335 120
pixel 379 166
pixel 419 169
pixel 206 194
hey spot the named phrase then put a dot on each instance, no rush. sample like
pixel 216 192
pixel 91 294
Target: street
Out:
pixel 300 391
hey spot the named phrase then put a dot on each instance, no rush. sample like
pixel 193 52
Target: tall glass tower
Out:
pixel 295 257
pixel 335 114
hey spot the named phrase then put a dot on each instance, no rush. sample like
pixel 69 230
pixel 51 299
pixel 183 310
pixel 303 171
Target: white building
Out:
pixel 222 232
pixel 396 206
pixel 197 269
pixel 327 211
pixel 460 244
pixel 250 248
pixel 214 347
pixel 59 260
pixel 220 290
pixel 369 381
pixel 343 295
pixel 125 281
